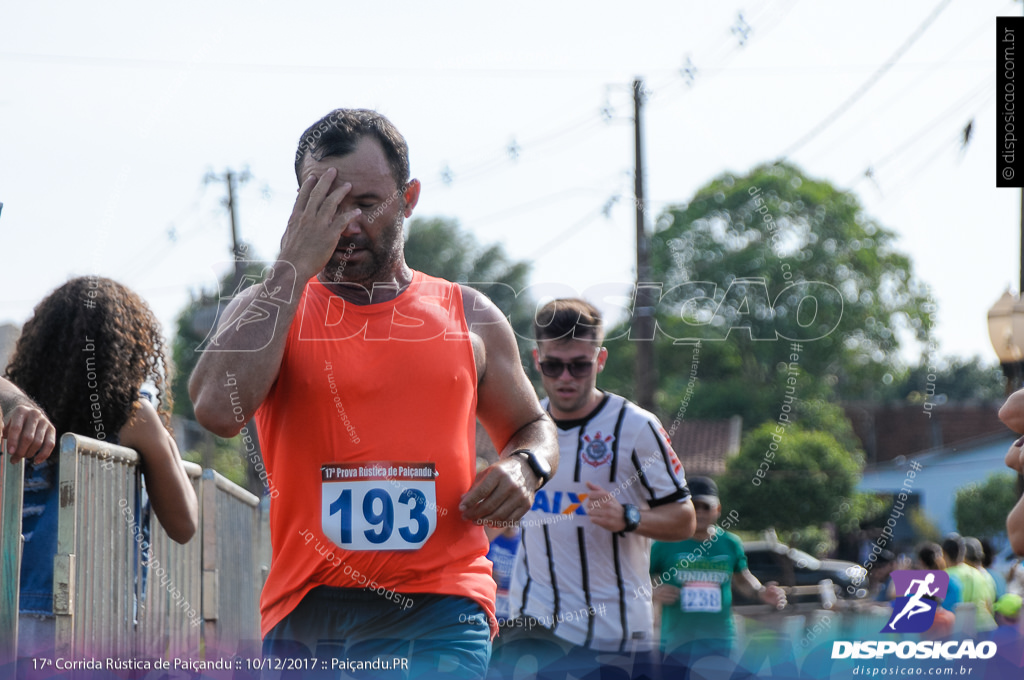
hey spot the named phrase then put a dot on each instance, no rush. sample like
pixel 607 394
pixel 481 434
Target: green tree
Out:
pixel 192 327
pixel 980 509
pixel 792 479
pixel 439 247
pixel 776 251
pixel 953 379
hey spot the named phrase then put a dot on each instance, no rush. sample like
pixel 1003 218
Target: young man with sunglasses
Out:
pixel 586 541
pixel 693 583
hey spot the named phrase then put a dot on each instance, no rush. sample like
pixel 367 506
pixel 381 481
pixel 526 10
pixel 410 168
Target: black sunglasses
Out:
pixel 553 368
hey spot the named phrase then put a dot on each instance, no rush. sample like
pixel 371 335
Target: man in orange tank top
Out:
pixel 365 379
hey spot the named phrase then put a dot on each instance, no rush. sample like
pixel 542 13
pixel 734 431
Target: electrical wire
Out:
pixel 847 139
pixel 867 85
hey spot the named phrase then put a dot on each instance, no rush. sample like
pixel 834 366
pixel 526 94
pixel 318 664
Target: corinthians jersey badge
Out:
pixel 598 449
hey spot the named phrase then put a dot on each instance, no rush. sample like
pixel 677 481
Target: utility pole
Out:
pixel 216 307
pixel 232 180
pixel 643 325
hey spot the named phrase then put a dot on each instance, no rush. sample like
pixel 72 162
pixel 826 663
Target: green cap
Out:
pixel 1008 605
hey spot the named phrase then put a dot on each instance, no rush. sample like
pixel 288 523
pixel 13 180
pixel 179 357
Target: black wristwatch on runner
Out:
pixel 539 466
pixel 631 514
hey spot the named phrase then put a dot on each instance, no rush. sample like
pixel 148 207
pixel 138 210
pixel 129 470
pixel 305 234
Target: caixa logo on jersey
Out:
pixel 922 591
pixel 559 502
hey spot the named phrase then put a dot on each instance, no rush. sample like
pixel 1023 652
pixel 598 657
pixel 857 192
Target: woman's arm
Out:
pixel 170 491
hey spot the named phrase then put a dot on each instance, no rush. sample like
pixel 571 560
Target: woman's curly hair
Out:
pixel 88 348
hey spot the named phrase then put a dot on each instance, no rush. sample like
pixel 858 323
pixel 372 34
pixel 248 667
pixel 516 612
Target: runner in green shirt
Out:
pixel 693 582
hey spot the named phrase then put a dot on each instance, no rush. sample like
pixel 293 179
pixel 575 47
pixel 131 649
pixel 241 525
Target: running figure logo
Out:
pixel 922 590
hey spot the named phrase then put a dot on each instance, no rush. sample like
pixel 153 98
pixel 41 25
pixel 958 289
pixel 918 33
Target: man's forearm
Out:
pixel 538 436
pixel 669 522
pixel 11 396
pixel 748 584
pixel 240 363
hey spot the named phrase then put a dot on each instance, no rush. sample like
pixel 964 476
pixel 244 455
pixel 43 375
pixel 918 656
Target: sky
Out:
pixel 112 115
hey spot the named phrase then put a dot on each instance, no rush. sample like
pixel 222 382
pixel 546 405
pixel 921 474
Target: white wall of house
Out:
pixel 941 474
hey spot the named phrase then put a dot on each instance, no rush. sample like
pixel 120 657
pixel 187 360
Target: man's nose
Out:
pixel 354 226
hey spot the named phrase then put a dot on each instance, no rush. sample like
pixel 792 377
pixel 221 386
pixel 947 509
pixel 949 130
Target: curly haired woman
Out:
pixel 83 357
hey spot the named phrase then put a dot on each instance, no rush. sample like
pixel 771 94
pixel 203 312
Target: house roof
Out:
pixel 887 431
pixel 704 446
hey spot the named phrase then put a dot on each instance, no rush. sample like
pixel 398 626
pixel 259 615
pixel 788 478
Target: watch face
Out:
pixel 632 516
pixel 544 470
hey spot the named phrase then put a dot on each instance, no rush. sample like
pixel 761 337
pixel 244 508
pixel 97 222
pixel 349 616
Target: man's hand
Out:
pixel 774 595
pixel 665 594
pixel 29 433
pixel 501 494
pixel 315 226
pixel 604 510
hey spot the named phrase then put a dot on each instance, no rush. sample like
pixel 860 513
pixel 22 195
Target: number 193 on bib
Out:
pixel 379 514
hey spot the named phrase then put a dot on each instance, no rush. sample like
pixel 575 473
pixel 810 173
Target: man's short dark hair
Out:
pixel 929 554
pixel 337 134
pixel 953 546
pixel 568 319
pixel 988 555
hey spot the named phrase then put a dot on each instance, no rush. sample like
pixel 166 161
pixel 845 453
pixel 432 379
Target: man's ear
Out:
pixel 411 195
pixel 602 357
pixel 536 359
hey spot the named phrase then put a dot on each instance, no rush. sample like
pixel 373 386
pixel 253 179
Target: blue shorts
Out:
pixel 357 633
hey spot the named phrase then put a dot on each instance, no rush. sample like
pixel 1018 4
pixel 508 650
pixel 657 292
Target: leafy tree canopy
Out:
pixel 769 264
pixel 953 379
pixel 439 247
pixel 790 479
pixel 980 509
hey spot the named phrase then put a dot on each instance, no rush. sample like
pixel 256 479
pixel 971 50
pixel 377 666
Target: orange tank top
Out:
pixel 368 434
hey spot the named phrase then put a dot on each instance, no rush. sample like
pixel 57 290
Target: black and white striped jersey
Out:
pixel 592 586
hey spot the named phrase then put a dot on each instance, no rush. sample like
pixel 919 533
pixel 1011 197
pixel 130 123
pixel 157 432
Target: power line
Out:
pixel 531 205
pixel 987 87
pixel 871 81
pixel 525 149
pixel 916 173
pixel 297 69
pixel 548 246
pixel 949 112
pixel 180 219
pixel 984 27
pixel 737 36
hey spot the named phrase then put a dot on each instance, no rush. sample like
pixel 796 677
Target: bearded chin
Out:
pixel 386 256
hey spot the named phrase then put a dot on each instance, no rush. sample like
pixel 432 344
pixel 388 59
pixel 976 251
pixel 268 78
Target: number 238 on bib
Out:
pixel 378 505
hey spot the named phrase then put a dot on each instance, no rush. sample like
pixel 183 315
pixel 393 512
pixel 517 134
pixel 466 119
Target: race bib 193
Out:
pixel 378 506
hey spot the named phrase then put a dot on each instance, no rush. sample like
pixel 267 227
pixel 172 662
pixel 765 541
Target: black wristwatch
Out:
pixel 539 466
pixel 631 513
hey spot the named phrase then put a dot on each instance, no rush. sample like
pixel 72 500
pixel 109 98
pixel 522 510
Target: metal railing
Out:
pixel 123 588
pixel 170 619
pixel 11 481
pixel 232 577
pixel 96 569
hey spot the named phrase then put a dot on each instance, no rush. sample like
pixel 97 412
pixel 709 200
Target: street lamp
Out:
pixel 1006 331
